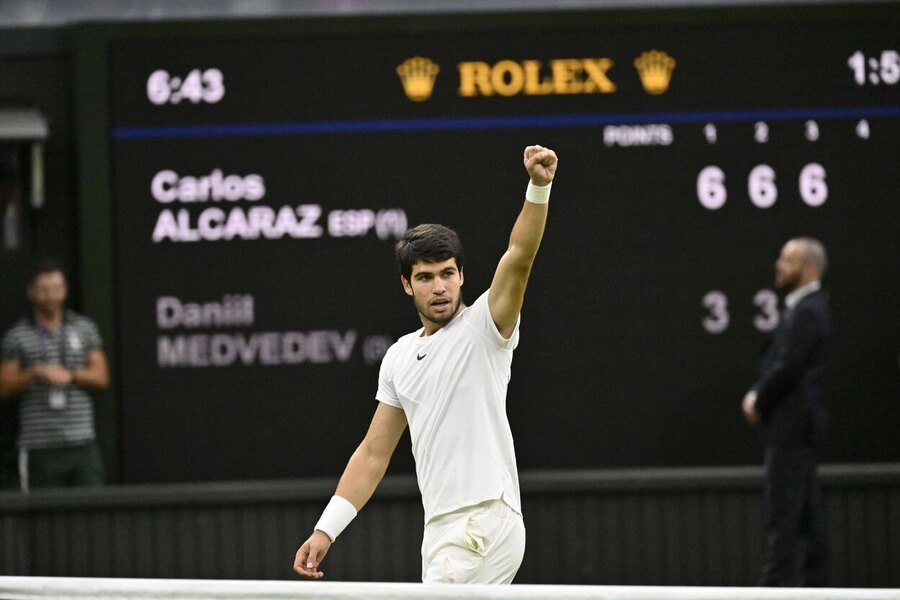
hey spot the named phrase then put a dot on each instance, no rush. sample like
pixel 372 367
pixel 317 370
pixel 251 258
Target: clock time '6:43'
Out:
pixel 198 86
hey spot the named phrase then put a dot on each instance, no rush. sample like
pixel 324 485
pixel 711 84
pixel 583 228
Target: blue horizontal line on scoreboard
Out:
pixel 523 121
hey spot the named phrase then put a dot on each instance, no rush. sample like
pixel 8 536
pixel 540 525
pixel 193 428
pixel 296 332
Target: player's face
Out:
pixel 435 289
pixel 789 266
pixel 48 292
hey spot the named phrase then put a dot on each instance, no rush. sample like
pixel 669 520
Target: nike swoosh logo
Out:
pixel 418 357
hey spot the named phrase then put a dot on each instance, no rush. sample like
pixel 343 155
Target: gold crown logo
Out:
pixel 655 69
pixel 417 75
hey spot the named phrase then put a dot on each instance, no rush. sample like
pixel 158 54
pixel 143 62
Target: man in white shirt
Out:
pixel 448 382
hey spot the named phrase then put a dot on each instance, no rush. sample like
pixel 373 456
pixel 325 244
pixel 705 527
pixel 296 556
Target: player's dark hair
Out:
pixel 42 266
pixel 427 243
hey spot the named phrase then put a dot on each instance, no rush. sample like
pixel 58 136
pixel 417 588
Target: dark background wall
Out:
pixel 646 307
pixel 655 254
pixel 35 73
pixel 641 527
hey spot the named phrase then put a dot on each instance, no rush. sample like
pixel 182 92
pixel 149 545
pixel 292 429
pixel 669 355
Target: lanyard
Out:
pixel 63 346
pixel 58 398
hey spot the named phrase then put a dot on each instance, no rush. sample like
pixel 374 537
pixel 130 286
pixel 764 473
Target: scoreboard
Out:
pixel 260 173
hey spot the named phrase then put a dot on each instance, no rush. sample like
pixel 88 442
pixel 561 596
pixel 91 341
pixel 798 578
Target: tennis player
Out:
pixel 448 382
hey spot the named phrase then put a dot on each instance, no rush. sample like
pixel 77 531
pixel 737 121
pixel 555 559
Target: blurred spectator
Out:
pixel 50 360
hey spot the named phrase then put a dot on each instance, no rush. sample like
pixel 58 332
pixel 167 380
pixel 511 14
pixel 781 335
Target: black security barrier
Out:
pixel 697 526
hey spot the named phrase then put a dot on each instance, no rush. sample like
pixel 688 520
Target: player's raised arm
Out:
pixel 511 277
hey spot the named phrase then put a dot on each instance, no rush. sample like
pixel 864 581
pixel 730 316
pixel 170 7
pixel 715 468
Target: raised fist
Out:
pixel 540 163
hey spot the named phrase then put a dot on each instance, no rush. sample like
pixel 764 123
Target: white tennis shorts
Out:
pixel 484 543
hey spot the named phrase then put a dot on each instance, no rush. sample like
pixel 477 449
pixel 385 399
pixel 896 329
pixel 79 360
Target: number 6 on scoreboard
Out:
pixel 813 188
pixel 711 187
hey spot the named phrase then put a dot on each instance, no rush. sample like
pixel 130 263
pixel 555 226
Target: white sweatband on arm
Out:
pixel 336 516
pixel 538 194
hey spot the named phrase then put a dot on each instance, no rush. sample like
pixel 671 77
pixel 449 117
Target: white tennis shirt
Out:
pixel 452 387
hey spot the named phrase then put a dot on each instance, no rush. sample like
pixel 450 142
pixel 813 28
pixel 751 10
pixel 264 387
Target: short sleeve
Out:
pixel 386 392
pixel 92 339
pixel 481 313
pixel 9 347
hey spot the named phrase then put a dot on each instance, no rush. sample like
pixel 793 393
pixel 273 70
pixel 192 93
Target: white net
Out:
pixel 64 588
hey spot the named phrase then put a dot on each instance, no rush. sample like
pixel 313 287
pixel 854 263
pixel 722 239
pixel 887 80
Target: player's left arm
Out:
pixel 507 291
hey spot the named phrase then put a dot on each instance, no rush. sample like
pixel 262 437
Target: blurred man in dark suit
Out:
pixel 787 402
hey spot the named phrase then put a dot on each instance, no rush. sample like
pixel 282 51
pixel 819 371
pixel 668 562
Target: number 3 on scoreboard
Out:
pixel 718 319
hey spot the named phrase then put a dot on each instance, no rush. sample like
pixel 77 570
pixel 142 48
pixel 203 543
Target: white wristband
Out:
pixel 336 516
pixel 538 194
